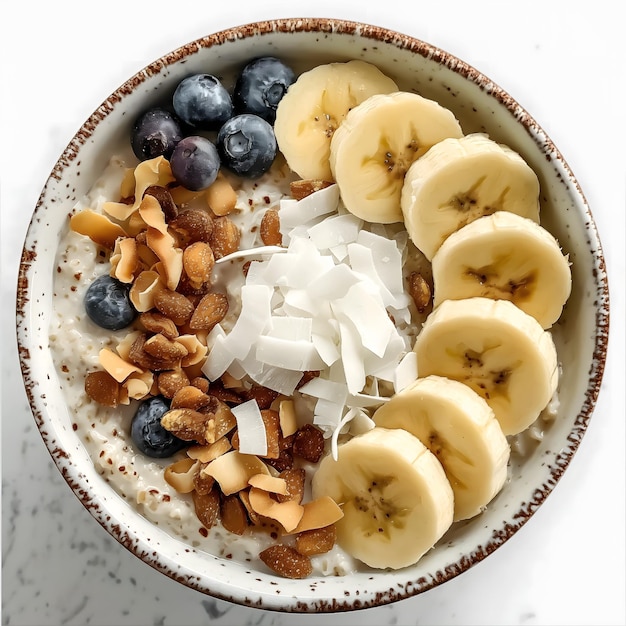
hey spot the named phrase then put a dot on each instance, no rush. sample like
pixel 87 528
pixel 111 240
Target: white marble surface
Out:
pixel 562 61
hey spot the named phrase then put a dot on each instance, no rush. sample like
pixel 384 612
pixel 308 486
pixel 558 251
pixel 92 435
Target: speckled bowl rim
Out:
pixel 290 601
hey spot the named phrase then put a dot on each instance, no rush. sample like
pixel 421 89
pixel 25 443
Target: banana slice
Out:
pixel 498 350
pixel 396 499
pixel 504 256
pixel 460 429
pixel 315 105
pixel 376 144
pixel 458 181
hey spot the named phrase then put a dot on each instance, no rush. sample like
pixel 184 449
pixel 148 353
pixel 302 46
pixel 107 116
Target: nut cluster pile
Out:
pixel 162 241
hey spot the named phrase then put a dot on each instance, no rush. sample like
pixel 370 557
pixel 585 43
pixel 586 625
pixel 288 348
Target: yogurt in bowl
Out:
pixel 185 554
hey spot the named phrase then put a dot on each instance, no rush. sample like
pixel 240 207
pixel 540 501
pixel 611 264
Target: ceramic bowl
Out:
pixel 480 106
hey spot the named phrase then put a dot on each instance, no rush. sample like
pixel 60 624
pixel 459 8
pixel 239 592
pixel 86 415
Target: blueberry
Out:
pixel 261 85
pixel 202 102
pixel 155 133
pixel 195 162
pixel 148 434
pixel 247 145
pixel 108 304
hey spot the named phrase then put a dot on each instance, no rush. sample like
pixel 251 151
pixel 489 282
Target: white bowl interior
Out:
pixel 479 105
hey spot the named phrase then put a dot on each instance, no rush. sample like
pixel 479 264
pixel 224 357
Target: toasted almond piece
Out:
pixel 190 397
pixel 316 541
pixel 155 171
pixel 319 513
pixel 180 474
pixel 419 290
pixel 202 483
pixel 233 515
pixel 115 365
pixel 270 228
pixel 211 310
pixel 101 387
pixel 287 417
pixel 303 188
pixel 198 263
pixel 170 381
pixel 286 561
pixel 158 323
pixel 163 245
pixel 263 395
pixel 225 237
pixel 193 225
pixel 173 305
pixel 99 228
pixel 161 347
pixel 138 355
pixel 207 506
pixel 309 443
pixel 124 346
pixel 233 470
pixel 145 289
pixel 223 422
pixel 211 451
pixel 272 484
pixel 186 424
pixel 221 197
pixel 288 514
pixel 139 386
pixel 294 478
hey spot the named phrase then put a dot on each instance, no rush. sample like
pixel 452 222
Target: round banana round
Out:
pixel 460 429
pixel 315 105
pixel 396 499
pixel 376 144
pixel 504 256
pixel 495 348
pixel 458 181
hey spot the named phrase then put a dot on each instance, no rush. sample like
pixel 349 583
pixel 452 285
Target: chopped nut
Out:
pixel 171 381
pixel 163 348
pixel 303 188
pixel 203 483
pixel 286 561
pixel 270 228
pixel 198 262
pixel 138 355
pixel 294 478
pixel 159 323
pixel 201 383
pixel 419 290
pixel 101 387
pixel 197 350
pixel 309 443
pixel 186 424
pixel 165 200
pixel 263 396
pixel 233 515
pixel 190 397
pixel 221 197
pixel 225 237
pixel 207 506
pixel 316 541
pixel 210 310
pixel 193 225
pixel 173 305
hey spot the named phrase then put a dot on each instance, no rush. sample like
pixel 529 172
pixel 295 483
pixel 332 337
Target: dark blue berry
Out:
pixel 195 162
pixel 202 102
pixel 260 87
pixel 148 434
pixel 155 133
pixel 247 145
pixel 108 304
